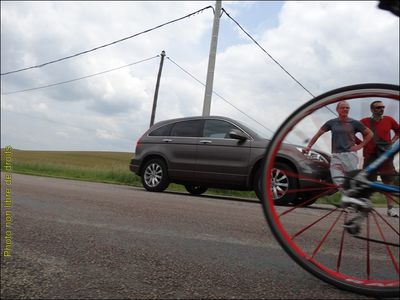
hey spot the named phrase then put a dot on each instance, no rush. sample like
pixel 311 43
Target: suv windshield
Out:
pixel 260 131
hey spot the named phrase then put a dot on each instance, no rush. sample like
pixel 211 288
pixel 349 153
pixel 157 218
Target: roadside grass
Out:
pixel 377 199
pixel 105 167
pixel 110 167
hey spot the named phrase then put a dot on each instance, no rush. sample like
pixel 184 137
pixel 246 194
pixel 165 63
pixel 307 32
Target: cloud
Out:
pixel 324 45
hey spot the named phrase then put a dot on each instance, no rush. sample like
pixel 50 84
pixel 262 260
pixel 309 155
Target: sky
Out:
pixel 323 44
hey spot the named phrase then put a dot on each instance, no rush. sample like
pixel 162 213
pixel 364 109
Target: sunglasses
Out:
pixel 379 107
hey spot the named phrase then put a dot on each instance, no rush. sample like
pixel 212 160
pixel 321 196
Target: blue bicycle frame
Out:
pixel 377 163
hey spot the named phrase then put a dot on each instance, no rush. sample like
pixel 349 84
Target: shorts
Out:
pixel 342 163
pixel 386 171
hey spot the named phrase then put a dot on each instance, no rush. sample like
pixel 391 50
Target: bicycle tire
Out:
pixel 298 245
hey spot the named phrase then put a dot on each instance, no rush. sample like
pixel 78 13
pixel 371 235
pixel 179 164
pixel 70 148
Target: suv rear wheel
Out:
pixel 196 189
pixel 155 175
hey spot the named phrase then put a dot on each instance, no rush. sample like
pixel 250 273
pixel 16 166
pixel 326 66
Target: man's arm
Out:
pixel 396 129
pixel 367 136
pixel 314 139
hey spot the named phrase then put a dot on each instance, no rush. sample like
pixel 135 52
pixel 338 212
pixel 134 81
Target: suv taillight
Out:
pixel 138 143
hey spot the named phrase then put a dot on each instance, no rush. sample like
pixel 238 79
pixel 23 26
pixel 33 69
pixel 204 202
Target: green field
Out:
pixel 106 167
pixel 93 166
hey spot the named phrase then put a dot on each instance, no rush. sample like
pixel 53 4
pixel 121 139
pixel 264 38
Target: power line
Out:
pixel 112 43
pixel 274 60
pixel 265 51
pixel 219 95
pixel 80 78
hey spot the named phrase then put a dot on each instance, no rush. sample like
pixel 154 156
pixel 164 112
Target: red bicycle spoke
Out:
pixel 303 204
pixel 387 246
pixel 313 223
pixel 387 223
pixel 310 179
pixel 390 196
pixel 339 260
pixel 326 234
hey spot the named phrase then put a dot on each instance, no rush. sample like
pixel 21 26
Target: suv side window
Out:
pixel 218 129
pixel 162 131
pixel 190 128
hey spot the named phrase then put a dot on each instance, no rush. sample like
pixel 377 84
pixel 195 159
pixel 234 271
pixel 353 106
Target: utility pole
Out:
pixel 211 59
pixel 153 112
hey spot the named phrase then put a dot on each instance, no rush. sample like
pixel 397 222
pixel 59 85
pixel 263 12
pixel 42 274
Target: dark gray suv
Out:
pixel 218 152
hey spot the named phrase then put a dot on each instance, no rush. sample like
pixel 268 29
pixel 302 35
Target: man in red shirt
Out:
pixel 381 126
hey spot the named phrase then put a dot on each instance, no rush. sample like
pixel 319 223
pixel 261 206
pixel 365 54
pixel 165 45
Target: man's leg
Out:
pixel 367 161
pixel 350 163
pixel 387 173
pixel 340 164
pixel 337 170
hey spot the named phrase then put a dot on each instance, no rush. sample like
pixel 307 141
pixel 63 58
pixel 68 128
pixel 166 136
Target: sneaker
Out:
pixel 357 202
pixel 392 213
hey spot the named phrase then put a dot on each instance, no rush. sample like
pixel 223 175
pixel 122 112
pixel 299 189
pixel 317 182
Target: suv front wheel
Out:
pixel 155 175
pixel 283 184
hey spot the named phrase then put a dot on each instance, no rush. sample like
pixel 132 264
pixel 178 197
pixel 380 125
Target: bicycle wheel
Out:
pixel 314 236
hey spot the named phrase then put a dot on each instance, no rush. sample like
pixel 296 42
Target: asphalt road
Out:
pixel 73 239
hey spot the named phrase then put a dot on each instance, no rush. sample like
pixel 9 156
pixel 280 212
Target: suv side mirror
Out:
pixel 237 135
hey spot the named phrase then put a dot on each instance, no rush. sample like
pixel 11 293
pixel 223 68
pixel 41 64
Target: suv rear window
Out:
pixel 190 128
pixel 162 131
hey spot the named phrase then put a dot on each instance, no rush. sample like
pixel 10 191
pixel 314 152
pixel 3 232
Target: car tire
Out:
pixel 284 170
pixel 196 189
pixel 283 184
pixel 155 175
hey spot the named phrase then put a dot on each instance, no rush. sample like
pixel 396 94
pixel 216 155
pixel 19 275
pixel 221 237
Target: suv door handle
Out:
pixel 205 142
pixel 167 140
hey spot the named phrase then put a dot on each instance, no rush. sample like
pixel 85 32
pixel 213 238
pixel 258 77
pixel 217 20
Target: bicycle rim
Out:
pixel 314 236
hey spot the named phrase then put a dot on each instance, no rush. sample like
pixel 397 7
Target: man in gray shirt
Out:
pixel 344 147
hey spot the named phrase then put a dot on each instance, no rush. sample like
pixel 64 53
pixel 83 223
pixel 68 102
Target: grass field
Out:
pixel 93 166
pixel 107 167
